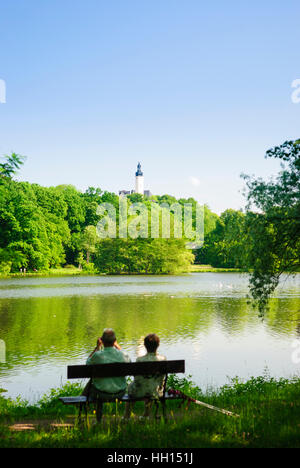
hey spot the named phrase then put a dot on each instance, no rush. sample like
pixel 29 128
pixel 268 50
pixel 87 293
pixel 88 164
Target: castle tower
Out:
pixel 139 180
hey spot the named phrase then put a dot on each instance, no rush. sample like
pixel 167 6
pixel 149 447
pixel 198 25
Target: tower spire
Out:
pixel 139 170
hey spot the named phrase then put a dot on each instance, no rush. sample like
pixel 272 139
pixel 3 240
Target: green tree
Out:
pixel 225 245
pixel 33 230
pixel 135 197
pixel 273 230
pixel 88 241
pixel 11 165
pixel 142 256
pixel 24 236
pixel 210 222
pixel 75 217
pixel 92 198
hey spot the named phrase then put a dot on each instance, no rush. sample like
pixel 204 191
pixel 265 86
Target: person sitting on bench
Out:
pixel 108 387
pixel 151 386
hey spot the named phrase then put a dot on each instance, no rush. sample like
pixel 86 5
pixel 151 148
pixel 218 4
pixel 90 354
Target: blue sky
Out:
pixel 197 91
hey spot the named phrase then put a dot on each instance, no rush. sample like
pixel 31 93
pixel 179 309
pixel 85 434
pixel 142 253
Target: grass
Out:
pixel 209 269
pixel 71 271
pixel 269 412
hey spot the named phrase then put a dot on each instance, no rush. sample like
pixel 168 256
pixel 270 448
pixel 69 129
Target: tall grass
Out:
pixel 269 412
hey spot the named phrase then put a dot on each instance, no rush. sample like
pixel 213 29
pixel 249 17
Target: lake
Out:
pixel 204 318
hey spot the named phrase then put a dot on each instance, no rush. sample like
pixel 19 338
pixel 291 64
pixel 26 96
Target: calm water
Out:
pixel 48 323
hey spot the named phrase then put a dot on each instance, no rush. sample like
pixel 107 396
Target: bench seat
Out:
pixel 77 400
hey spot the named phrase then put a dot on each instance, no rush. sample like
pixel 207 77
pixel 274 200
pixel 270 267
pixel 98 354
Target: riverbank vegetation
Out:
pixel 71 270
pixel 268 409
pixel 45 228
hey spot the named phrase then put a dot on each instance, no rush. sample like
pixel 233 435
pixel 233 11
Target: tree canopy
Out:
pixel 273 229
pixel 48 227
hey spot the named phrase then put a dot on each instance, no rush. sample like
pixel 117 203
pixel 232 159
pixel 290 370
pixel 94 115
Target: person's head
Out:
pixel 108 337
pixel 151 343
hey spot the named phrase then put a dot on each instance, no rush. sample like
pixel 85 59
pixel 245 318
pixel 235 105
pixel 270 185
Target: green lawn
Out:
pixel 72 271
pixel 269 412
pixel 210 269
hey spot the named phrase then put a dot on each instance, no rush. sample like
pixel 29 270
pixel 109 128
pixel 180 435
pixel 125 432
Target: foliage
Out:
pixel 11 165
pixel 44 228
pixel 33 230
pixel 136 198
pixel 92 197
pixel 89 268
pixel 50 404
pixel 88 241
pixel 5 267
pixel 224 245
pixel 269 412
pixel 147 256
pixel 273 233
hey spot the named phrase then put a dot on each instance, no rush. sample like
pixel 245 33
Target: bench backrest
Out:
pixel 117 369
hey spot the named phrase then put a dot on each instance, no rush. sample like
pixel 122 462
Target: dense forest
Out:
pixel 49 227
pixel 42 228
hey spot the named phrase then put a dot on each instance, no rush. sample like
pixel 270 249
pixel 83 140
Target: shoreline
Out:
pixel 61 272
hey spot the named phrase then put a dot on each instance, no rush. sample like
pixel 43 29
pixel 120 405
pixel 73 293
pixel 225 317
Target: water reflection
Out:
pixel 203 318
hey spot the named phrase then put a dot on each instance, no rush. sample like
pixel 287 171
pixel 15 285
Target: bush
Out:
pixel 88 267
pixel 5 268
pixel 70 267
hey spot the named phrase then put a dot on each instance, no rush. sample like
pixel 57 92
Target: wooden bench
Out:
pixel 122 370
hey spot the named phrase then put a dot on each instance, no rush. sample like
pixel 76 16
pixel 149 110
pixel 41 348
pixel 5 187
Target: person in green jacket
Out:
pixel 107 351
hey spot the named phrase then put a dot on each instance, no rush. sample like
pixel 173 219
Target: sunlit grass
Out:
pixel 72 271
pixel 269 412
pixel 209 269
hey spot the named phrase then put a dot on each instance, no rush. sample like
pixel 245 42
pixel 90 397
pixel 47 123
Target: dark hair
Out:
pixel 108 337
pixel 151 342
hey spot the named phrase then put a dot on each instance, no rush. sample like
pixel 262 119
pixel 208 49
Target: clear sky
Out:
pixel 195 90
